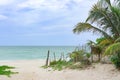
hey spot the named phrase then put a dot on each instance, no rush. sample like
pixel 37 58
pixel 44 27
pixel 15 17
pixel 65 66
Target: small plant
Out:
pixel 77 56
pixel 80 56
pixel 88 55
pixel 116 60
pixel 5 70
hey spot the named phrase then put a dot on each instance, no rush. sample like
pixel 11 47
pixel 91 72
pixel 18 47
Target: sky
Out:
pixel 43 22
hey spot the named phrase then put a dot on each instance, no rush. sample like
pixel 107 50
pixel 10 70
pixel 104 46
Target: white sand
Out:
pixel 30 70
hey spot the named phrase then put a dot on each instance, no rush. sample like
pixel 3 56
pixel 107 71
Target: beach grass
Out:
pixel 58 65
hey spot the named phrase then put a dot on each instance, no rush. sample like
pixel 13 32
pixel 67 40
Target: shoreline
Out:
pixel 22 60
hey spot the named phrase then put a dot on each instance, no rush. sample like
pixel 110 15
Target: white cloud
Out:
pixel 43 18
pixel 30 12
pixel 5 2
pixel 47 4
pixel 57 27
pixel 2 17
pixel 45 34
pixel 51 9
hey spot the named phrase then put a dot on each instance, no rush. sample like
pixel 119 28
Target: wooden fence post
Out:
pixel 63 57
pixel 60 57
pixel 54 56
pixel 47 58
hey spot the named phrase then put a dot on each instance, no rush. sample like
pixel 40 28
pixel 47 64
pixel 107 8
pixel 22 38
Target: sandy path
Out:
pixel 30 70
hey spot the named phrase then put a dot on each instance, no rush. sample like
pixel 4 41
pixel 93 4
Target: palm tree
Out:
pixel 107 17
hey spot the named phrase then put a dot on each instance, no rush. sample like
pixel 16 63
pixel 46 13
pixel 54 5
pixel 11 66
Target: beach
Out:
pixel 59 39
pixel 31 70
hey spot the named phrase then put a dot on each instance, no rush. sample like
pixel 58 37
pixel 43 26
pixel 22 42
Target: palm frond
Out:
pixel 105 42
pixel 104 3
pixel 117 2
pixel 112 49
pixel 117 40
pixel 116 17
pixel 84 27
pixel 107 17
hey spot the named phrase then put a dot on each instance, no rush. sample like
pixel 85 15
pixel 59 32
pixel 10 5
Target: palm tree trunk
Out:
pixel 91 53
pixel 99 57
pixel 91 57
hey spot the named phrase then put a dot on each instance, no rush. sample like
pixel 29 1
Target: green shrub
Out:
pixel 88 55
pixel 116 60
pixel 5 70
pixel 77 56
pixel 80 56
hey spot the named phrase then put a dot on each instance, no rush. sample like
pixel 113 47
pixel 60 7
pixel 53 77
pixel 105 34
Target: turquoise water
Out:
pixel 32 52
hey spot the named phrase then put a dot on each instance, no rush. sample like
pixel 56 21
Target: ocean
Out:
pixel 33 52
